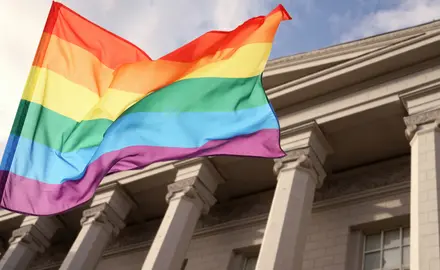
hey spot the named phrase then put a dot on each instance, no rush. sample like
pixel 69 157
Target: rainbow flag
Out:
pixel 95 104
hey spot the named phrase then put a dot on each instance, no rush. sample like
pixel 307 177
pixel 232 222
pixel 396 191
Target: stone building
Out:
pixel 360 126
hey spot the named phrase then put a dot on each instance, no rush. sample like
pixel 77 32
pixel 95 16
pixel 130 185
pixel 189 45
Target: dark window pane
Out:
pixel 405 252
pixel 251 263
pixel 406 236
pixel 372 261
pixel 391 258
pixel 372 242
pixel 392 239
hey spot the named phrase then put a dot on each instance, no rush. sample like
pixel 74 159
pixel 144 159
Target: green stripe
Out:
pixel 57 131
pixel 205 95
pixel 64 134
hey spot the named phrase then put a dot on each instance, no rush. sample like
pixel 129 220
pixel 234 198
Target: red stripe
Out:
pixel 109 48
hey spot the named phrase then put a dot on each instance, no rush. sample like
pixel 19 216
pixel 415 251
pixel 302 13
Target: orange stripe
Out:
pixel 146 77
pixel 109 48
pixel 75 64
pixel 87 68
pixel 82 68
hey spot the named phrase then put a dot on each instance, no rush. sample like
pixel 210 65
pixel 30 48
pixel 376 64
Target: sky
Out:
pixel 160 26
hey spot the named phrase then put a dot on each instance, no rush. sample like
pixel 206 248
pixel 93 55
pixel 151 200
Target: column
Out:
pixel 423 131
pixel 31 238
pixel 188 197
pixel 2 248
pixel 102 221
pixel 299 173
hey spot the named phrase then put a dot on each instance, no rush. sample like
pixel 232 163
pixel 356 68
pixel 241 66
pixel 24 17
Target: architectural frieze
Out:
pixel 365 178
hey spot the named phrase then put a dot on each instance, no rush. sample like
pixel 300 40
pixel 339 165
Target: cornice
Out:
pixel 356 63
pixel 353 46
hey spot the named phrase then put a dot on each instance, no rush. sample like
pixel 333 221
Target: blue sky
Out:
pixel 321 23
pixel 160 26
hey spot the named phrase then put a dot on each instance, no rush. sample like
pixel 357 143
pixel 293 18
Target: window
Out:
pixel 244 258
pixel 387 250
pixel 250 263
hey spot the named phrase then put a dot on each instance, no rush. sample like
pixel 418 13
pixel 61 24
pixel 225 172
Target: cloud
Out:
pixel 160 26
pixel 21 25
pixel 156 26
pixel 404 13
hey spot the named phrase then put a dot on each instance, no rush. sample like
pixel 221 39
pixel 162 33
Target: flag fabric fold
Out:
pixel 96 104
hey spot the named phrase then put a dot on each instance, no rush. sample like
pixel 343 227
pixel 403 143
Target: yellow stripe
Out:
pixel 113 104
pixel 247 61
pixel 145 77
pixel 72 100
pixel 75 63
pixel 77 102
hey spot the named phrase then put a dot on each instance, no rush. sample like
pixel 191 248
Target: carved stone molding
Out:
pixel 105 215
pixel 202 168
pixel 30 236
pixel 304 159
pixel 193 189
pixel 373 176
pixel 413 122
pixel 35 232
pixel 299 156
pixel 116 198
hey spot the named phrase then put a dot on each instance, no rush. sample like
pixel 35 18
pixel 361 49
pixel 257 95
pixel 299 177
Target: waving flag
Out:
pixel 95 104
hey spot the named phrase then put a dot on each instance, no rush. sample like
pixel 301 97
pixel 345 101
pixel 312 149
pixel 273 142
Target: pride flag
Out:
pixel 96 104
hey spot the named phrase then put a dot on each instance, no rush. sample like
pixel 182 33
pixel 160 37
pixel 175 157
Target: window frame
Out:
pixel 246 260
pixel 382 247
pixel 240 256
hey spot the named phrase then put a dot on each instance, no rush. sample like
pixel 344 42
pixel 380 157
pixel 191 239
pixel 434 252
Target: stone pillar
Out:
pixel 188 197
pixel 423 131
pixel 102 221
pixel 31 238
pixel 2 248
pixel 299 173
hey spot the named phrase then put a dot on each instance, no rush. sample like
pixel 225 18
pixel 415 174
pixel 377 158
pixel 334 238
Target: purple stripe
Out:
pixel 33 197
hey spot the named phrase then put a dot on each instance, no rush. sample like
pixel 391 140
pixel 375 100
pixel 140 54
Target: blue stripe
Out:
pixel 183 130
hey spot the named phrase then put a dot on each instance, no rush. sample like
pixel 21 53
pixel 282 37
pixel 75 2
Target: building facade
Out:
pixel 359 188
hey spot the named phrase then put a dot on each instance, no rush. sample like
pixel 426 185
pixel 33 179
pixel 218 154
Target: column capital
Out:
pixel 307 148
pixel 115 196
pixel 304 159
pixel 191 188
pixel 110 206
pixel 425 120
pixel 36 232
pixel 195 179
pixel 423 107
pixel 105 215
